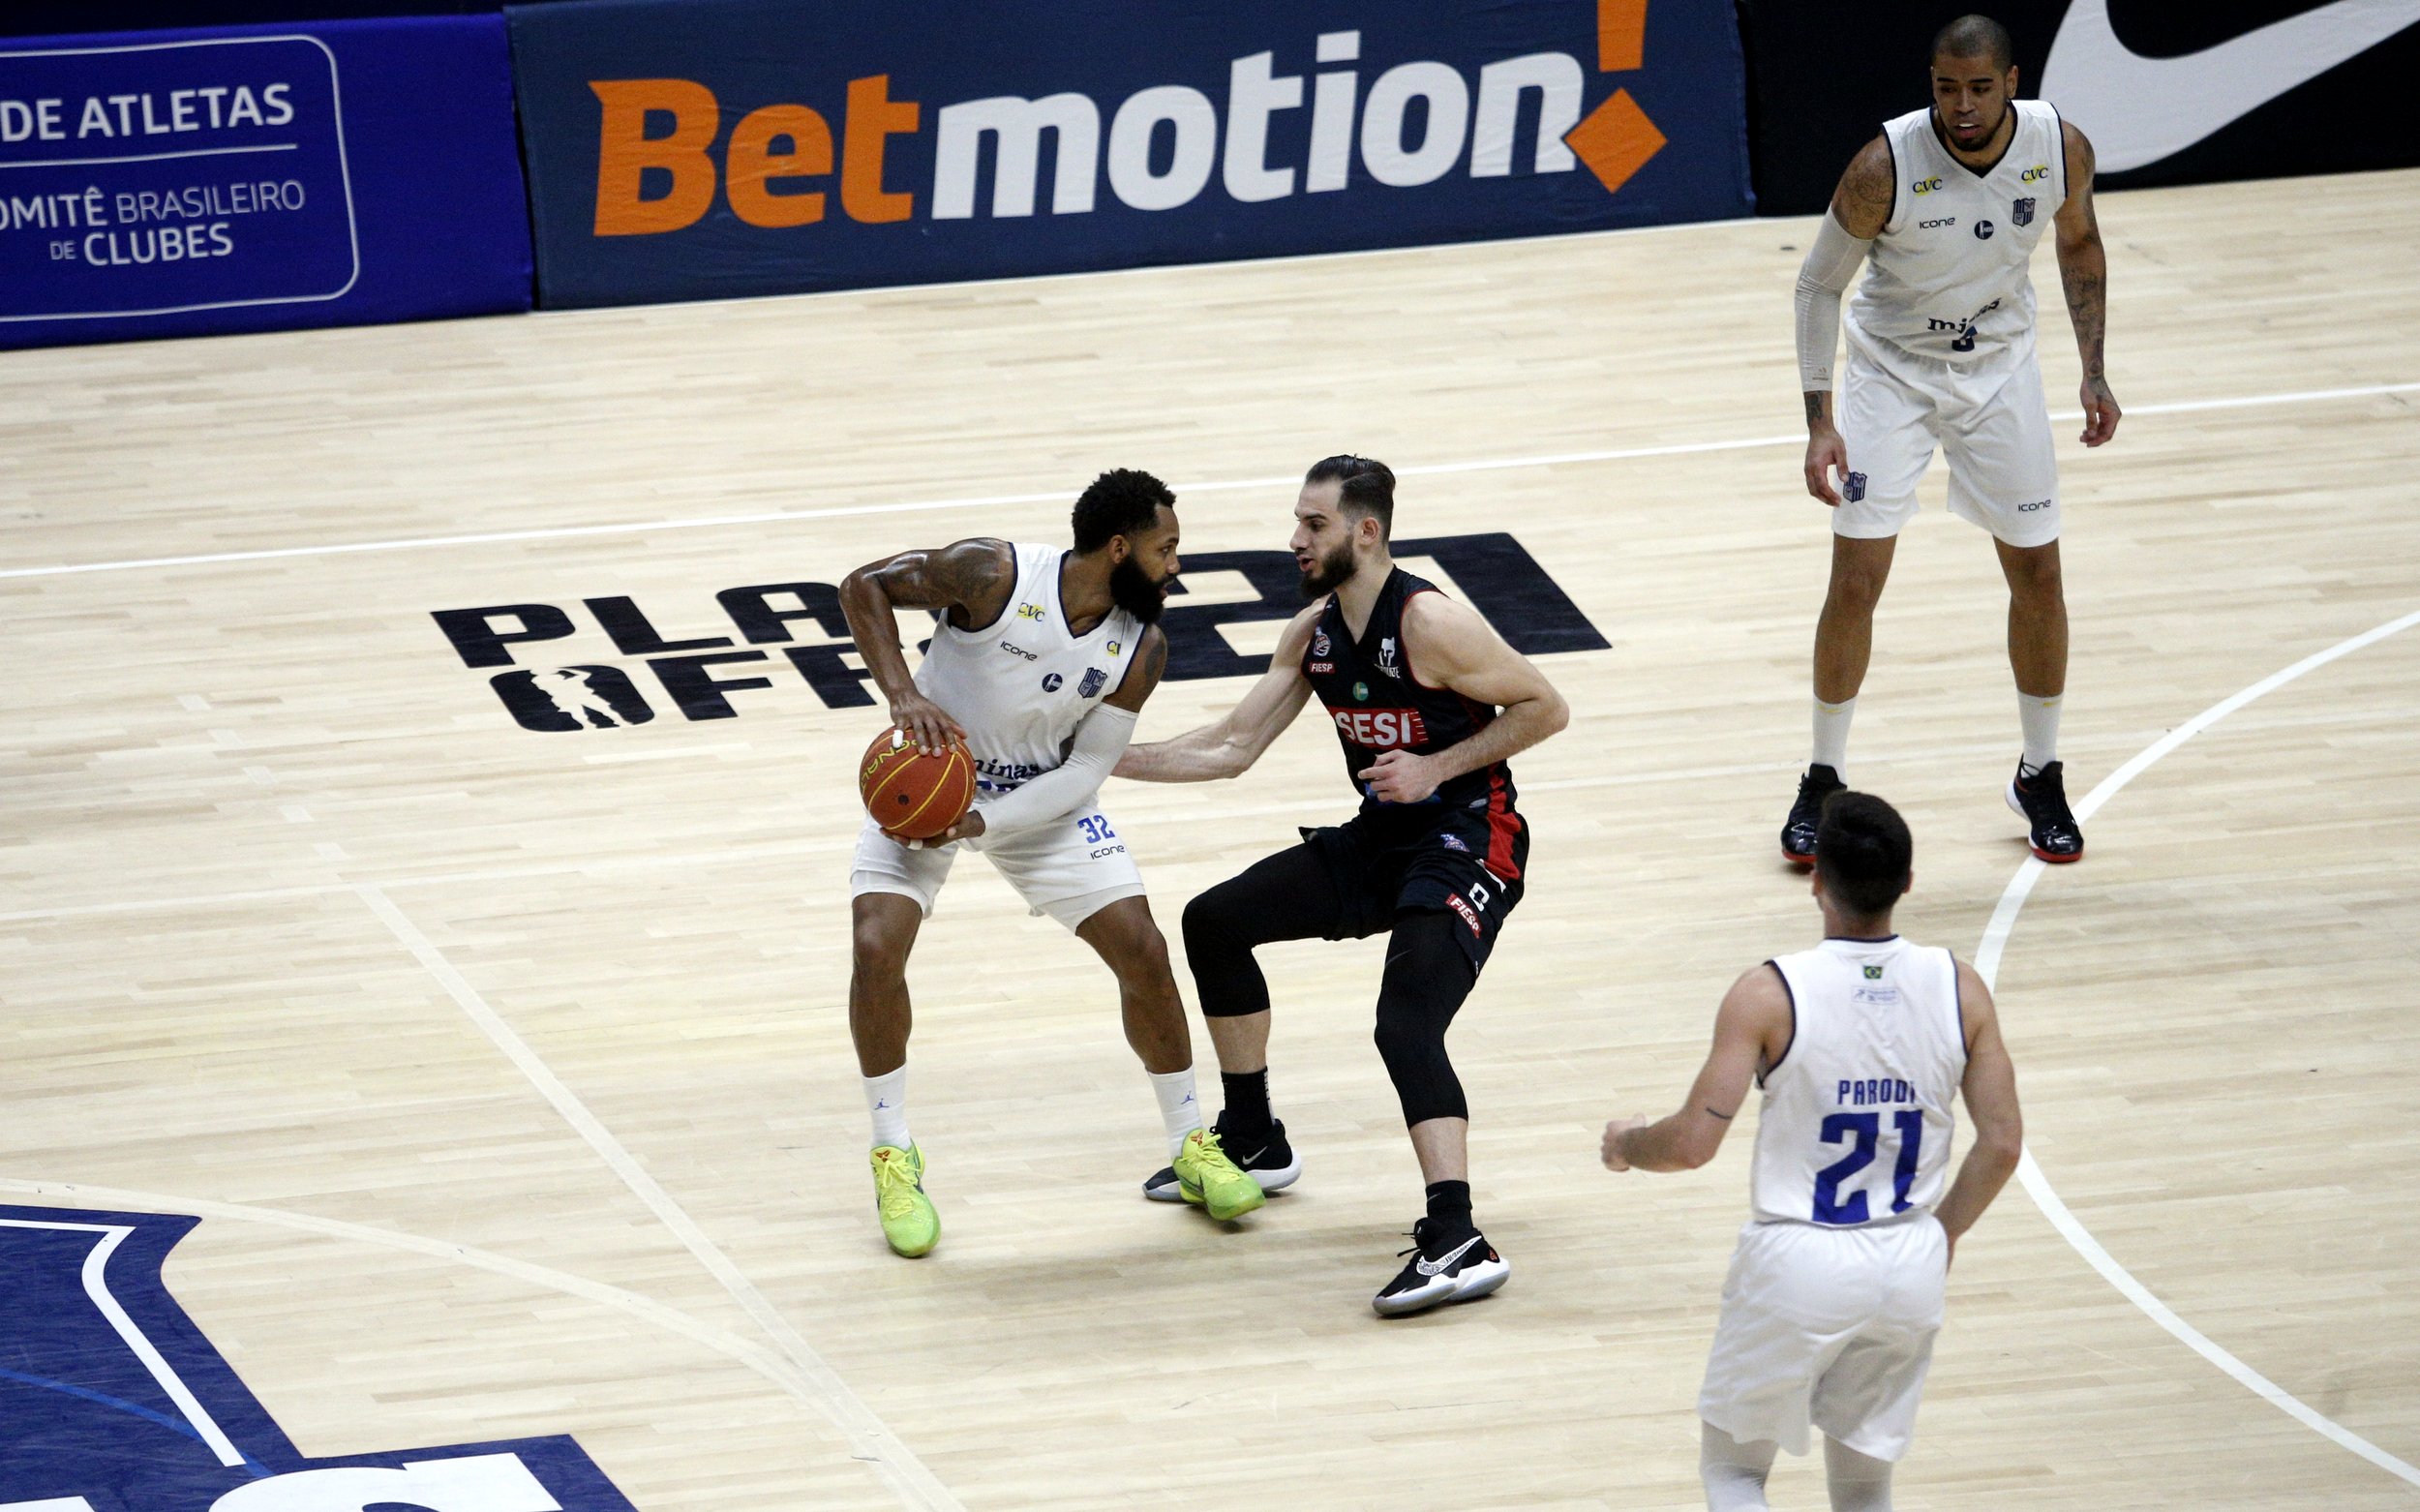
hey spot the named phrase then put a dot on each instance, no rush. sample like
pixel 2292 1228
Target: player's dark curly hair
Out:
pixel 1121 501
pixel 1365 486
pixel 1862 851
pixel 1976 37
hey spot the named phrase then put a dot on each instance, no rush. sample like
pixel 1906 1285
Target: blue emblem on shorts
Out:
pixel 2022 212
pixel 1853 487
pixel 1094 676
pixel 1051 681
pixel 1452 842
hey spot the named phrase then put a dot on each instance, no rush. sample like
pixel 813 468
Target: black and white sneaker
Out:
pixel 1266 1158
pixel 1443 1269
pixel 2042 798
pixel 1807 814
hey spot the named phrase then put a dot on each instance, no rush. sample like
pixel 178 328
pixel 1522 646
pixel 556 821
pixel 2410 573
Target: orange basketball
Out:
pixel 913 795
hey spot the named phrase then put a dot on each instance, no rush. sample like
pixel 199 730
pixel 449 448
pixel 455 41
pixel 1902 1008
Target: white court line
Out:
pixel 1987 955
pixel 868 1436
pixel 645 1309
pixel 1059 496
pixel 97 1287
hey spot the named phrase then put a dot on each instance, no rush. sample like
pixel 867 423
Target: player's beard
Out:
pixel 1330 573
pixel 1134 590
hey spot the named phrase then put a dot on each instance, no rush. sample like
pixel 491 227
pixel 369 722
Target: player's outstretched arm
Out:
pixel 1861 207
pixel 970 581
pixel 2084 273
pixel 1990 1092
pixel 1752 1030
pixel 1447 644
pixel 1100 740
pixel 1226 748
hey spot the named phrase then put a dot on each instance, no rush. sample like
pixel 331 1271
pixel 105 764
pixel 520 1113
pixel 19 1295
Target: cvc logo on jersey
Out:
pixel 777 640
pixel 112 1401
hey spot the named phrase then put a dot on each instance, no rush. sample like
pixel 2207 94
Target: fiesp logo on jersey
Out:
pixel 737 146
pixel 802 624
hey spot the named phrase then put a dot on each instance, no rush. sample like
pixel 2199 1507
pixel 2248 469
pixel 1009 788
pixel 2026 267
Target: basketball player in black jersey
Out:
pixel 1428 704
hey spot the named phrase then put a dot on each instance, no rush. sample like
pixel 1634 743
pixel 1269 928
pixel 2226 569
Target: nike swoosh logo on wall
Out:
pixel 2138 110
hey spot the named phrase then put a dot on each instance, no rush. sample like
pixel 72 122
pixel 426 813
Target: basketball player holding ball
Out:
pixel 1040 659
pixel 1428 704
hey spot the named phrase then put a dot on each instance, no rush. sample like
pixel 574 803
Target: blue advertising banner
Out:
pixel 685 149
pixel 254 178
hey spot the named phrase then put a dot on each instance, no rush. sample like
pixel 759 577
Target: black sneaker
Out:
pixel 1268 1157
pixel 2043 799
pixel 1807 814
pixel 1445 1268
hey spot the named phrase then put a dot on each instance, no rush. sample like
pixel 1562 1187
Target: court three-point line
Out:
pixel 871 1438
pixel 1988 957
pixel 1059 497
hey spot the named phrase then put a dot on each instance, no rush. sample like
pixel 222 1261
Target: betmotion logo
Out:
pixel 802 622
pixel 1159 148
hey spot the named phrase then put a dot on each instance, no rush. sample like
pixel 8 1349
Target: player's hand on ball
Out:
pixel 2100 411
pixel 1611 1148
pixel 968 828
pixel 926 723
pixel 1399 777
pixel 1826 454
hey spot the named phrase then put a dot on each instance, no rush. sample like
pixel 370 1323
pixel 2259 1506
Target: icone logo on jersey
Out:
pixel 1382 729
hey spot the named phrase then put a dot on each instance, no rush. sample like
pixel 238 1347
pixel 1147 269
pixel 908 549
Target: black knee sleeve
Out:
pixel 1218 938
pixel 1428 975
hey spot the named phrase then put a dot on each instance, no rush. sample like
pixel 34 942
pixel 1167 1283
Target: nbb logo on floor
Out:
pixel 734 146
pixel 112 1401
pixel 697 675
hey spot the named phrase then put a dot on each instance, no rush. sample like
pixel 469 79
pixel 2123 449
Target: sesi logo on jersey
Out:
pixel 1382 729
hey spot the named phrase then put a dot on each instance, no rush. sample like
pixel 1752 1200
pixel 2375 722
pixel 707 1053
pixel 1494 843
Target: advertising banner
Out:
pixel 684 149
pixel 2169 94
pixel 171 184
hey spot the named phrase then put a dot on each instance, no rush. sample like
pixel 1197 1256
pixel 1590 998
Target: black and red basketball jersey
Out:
pixel 1375 695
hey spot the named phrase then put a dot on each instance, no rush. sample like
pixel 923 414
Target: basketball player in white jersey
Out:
pixel 1836 1290
pixel 1949 202
pixel 1040 659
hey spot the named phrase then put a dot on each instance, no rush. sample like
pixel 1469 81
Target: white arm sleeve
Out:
pixel 1830 263
pixel 1101 738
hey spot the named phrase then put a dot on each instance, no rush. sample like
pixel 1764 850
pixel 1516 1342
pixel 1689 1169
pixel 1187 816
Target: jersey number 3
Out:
pixel 1866 1130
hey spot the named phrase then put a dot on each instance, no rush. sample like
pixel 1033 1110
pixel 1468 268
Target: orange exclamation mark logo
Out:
pixel 1616 139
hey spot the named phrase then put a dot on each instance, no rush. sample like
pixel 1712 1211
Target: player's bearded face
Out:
pixel 1137 592
pixel 1331 571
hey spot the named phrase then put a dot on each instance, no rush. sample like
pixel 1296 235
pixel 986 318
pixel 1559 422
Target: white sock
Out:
pixel 1832 734
pixel 1180 1111
pixel 1734 1472
pixel 1858 1482
pixel 885 1098
pixel 2039 718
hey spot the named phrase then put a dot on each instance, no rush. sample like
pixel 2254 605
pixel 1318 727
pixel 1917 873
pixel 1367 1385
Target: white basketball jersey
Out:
pixel 1946 277
pixel 1021 684
pixel 1856 1126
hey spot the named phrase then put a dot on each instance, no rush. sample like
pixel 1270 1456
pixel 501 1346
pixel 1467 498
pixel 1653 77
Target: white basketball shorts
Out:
pixel 1070 868
pixel 1832 1326
pixel 1990 421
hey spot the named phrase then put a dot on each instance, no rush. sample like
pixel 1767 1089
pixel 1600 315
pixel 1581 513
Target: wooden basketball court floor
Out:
pixel 508 1070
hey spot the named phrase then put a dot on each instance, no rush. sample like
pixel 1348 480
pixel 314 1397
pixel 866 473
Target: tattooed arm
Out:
pixel 971 581
pixel 1861 207
pixel 2083 272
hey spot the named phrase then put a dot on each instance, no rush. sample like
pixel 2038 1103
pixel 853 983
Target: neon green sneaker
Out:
pixel 1210 1180
pixel 908 1219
